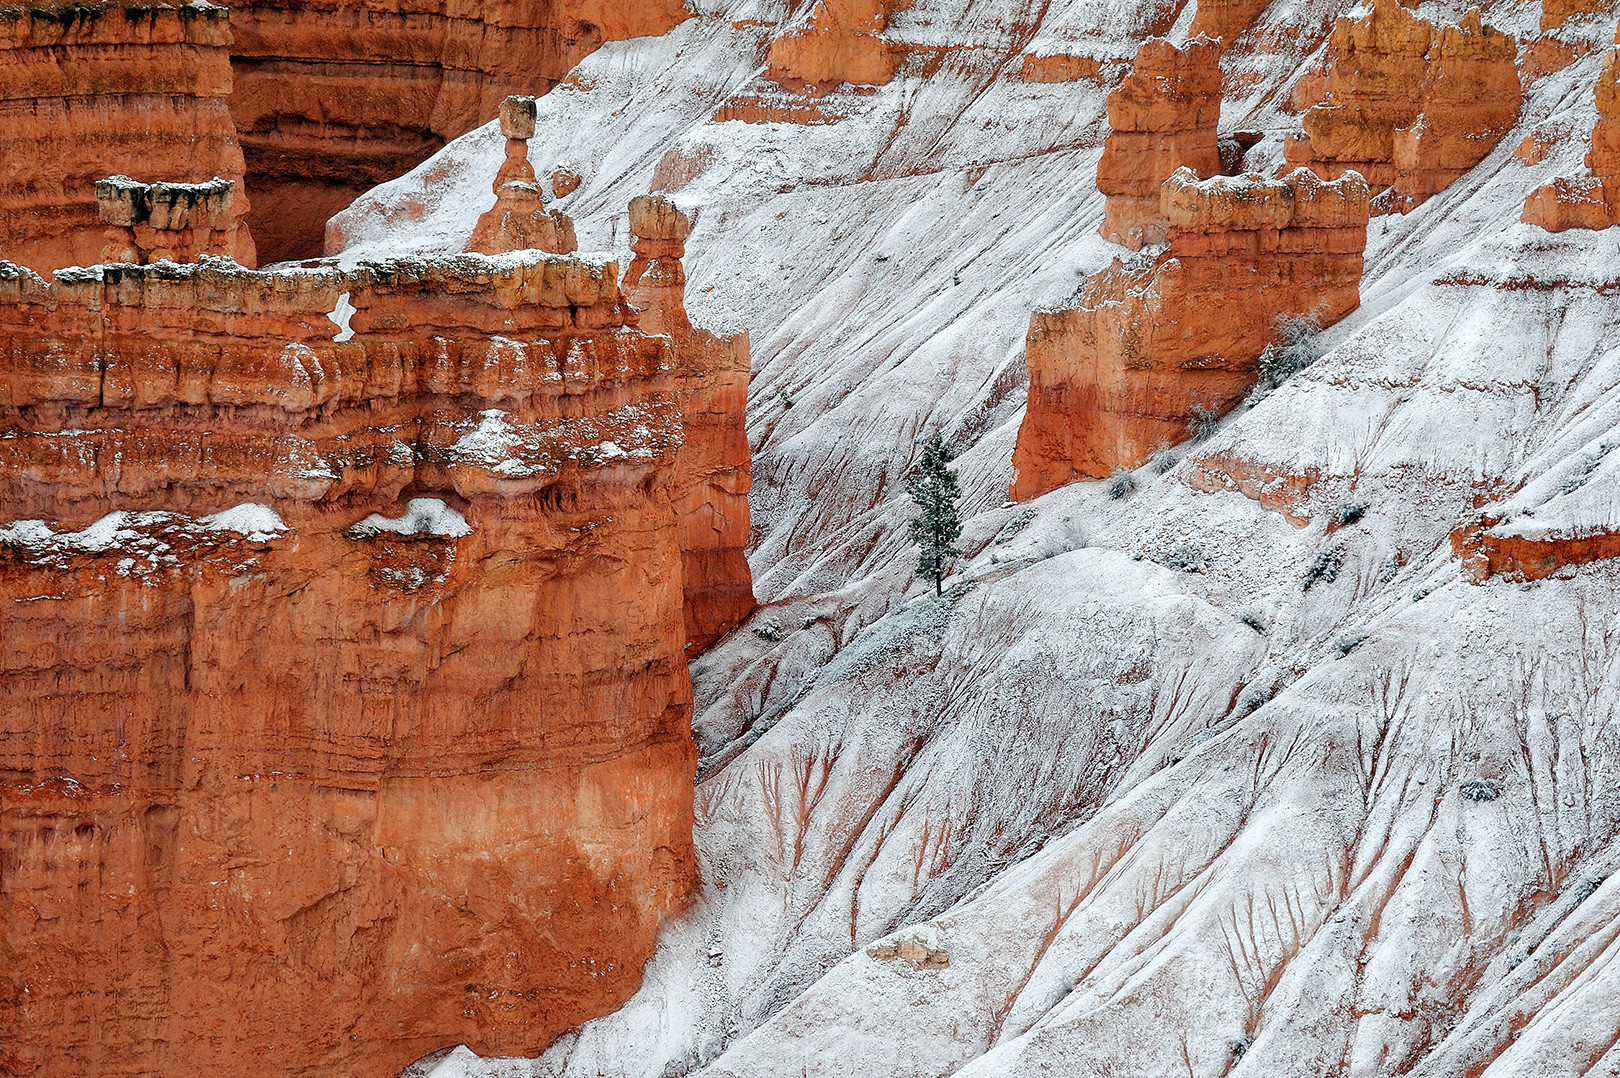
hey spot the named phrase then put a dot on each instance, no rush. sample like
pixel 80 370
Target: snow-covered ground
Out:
pixel 1168 783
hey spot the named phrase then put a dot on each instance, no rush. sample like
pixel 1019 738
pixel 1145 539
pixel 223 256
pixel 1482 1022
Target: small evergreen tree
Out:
pixel 937 525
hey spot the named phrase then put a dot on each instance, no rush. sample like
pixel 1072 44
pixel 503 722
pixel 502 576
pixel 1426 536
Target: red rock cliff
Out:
pixel 1162 117
pixel 89 91
pixel 712 503
pixel 343 710
pixel 840 41
pixel 1411 106
pixel 1121 374
pixel 333 99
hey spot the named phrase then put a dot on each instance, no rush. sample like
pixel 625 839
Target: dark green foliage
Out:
pixel 938 525
pixel 1325 566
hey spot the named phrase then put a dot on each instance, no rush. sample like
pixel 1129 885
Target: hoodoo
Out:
pixel 519 220
pixel 712 503
pixel 377 704
pixel 1161 118
pixel 1120 375
pixel 1410 106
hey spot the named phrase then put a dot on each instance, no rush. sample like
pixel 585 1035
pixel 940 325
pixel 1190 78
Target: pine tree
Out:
pixel 937 525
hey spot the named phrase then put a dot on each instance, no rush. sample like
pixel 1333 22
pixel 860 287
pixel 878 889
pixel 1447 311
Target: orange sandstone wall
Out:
pixel 1162 117
pixel 715 463
pixel 1121 375
pixel 1410 106
pixel 841 41
pixel 333 99
pixel 89 91
pixel 399 758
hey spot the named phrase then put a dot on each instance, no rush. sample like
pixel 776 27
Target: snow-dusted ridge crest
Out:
pixel 1152 804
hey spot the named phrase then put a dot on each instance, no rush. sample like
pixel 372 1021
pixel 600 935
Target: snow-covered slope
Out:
pixel 1220 776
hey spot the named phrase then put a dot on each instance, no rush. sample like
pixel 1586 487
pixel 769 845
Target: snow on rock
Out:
pixel 1177 781
pixel 422 516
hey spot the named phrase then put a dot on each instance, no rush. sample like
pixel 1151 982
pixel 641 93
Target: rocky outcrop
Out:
pixel 90 91
pixel 519 220
pixel 840 41
pixel 332 100
pixel 712 500
pixel 1152 343
pixel 1410 106
pixel 1523 551
pixel 176 222
pixel 1162 117
pixel 1591 201
pixel 344 713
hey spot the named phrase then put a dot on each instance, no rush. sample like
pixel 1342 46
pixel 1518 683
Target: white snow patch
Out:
pixel 340 318
pixel 255 520
pixel 423 516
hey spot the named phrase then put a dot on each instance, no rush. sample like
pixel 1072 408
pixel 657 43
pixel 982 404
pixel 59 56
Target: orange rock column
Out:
pixel 519 220
pixel 1162 117
pixel 1119 376
pixel 715 464
pixel 1410 107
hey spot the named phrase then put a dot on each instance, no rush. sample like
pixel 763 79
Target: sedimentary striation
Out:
pixel 89 91
pixel 343 710
pixel 1162 117
pixel 331 100
pixel 712 502
pixel 1152 343
pixel 1410 106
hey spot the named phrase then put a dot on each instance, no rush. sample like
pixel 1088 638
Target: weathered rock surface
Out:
pixel 89 91
pixel 1149 813
pixel 1162 117
pixel 1411 106
pixel 712 503
pixel 331 100
pixel 1123 373
pixel 839 41
pixel 344 713
pixel 1590 201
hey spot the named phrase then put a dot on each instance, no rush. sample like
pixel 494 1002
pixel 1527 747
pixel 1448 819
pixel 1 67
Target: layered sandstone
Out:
pixel 519 220
pixel 1162 117
pixel 332 100
pixel 343 713
pixel 1487 547
pixel 1591 201
pixel 712 502
pixel 89 91
pixel 1410 106
pixel 840 41
pixel 175 222
pixel 1152 344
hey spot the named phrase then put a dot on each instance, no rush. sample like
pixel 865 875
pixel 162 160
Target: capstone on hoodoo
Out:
pixel 1150 344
